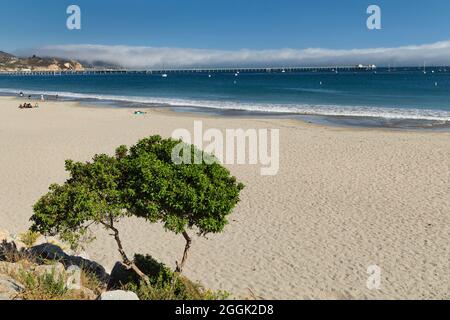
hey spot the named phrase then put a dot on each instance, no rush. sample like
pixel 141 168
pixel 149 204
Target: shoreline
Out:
pixel 343 200
pixel 345 121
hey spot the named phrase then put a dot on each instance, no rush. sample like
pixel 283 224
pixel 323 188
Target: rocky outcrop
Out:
pixel 53 252
pixel 10 247
pixel 55 268
pixel 9 288
pixel 48 256
pixel 11 63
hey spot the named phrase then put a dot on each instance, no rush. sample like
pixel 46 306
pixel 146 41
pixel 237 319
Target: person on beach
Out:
pixel 42 98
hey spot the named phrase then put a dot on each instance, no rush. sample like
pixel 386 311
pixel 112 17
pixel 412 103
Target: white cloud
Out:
pixel 155 57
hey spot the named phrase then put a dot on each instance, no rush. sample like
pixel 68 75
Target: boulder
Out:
pixel 118 295
pixel 9 251
pixel 7 238
pixel 82 254
pixel 48 251
pixel 57 269
pixel 21 247
pixel 9 288
pixel 88 265
pixel 74 278
pixel 53 252
pixel 53 241
pixel 120 275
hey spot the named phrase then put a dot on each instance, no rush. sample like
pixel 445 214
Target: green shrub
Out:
pixel 29 238
pixel 47 286
pixel 166 284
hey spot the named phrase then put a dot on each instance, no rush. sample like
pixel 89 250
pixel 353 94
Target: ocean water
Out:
pixel 387 96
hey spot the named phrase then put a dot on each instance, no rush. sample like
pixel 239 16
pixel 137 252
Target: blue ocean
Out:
pixel 387 95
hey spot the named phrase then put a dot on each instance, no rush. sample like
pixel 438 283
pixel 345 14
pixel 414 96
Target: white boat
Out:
pixel 164 75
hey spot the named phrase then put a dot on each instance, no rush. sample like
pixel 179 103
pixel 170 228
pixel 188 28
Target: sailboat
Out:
pixel 424 68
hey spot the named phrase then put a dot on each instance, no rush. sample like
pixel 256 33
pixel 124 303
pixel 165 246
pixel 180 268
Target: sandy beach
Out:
pixel 344 199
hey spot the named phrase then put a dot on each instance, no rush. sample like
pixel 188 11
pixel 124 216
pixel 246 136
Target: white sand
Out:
pixel 344 199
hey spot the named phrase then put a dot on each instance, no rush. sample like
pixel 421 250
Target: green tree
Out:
pixel 182 196
pixel 143 182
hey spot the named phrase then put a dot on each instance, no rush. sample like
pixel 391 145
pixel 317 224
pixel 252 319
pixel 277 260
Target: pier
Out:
pixel 237 70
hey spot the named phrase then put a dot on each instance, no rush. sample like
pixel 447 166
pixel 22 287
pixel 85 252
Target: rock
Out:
pixel 54 241
pixel 20 246
pixel 9 288
pixel 88 265
pixel 118 295
pixel 48 251
pixel 83 254
pixel 9 251
pixel 120 275
pixel 52 252
pixel 74 278
pixel 41 240
pixel 6 237
pixel 57 269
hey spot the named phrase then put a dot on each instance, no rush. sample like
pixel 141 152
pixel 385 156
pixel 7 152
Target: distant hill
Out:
pixel 4 55
pixel 9 62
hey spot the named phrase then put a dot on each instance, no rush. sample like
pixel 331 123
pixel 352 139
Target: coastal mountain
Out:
pixel 9 62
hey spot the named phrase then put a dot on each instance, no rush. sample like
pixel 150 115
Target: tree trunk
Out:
pixel 185 254
pixel 129 263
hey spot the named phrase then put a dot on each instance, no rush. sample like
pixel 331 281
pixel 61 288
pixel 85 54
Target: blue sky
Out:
pixel 224 24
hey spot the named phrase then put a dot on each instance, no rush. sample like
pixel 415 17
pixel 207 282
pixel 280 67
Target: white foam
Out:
pixel 300 109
